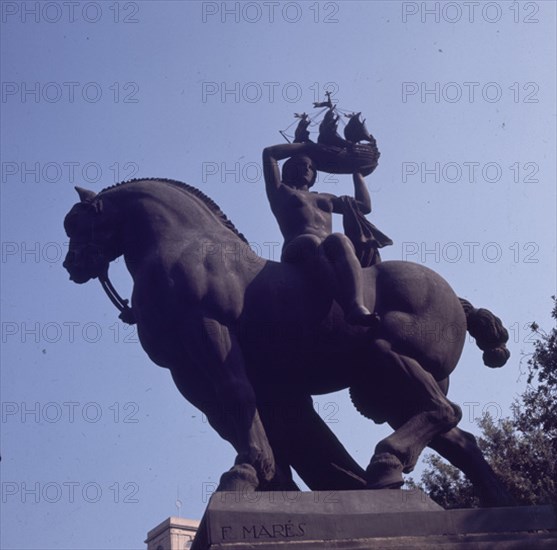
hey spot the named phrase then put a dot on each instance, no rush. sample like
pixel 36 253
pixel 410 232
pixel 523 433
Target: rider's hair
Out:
pixel 291 170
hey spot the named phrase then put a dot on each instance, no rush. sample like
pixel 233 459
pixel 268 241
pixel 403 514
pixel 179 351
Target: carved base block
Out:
pixel 350 520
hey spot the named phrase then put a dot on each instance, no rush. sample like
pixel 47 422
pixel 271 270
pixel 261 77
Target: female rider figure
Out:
pixel 305 221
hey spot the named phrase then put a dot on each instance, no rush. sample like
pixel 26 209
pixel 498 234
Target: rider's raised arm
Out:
pixel 361 194
pixel 275 153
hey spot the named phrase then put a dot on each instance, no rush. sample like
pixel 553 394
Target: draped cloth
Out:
pixel 365 237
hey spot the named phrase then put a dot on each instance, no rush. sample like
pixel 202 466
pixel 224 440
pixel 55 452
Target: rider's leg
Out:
pixel 348 273
pixel 302 249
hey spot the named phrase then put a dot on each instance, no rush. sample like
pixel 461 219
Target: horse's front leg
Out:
pixel 235 416
pixel 302 439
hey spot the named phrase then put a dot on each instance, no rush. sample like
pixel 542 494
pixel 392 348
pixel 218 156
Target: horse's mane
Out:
pixel 190 189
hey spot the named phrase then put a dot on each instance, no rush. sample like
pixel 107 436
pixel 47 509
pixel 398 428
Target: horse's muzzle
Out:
pixel 78 273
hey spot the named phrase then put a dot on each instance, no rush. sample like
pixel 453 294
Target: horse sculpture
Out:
pixel 249 341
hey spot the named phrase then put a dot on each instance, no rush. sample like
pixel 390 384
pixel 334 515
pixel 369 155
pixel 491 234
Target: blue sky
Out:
pixel 97 444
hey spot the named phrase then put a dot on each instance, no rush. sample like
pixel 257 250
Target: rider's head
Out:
pixel 299 171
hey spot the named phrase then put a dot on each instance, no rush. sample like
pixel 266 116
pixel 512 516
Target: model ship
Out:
pixel 356 152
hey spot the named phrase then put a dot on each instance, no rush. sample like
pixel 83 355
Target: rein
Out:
pixel 126 312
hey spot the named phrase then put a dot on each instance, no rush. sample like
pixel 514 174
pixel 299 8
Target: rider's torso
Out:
pixel 300 212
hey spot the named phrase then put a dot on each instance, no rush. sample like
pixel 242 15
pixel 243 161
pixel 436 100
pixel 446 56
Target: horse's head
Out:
pixel 93 244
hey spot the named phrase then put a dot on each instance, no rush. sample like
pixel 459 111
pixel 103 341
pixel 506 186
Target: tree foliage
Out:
pixel 522 449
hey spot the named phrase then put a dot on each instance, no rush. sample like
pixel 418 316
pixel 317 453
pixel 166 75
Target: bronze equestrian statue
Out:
pixel 249 341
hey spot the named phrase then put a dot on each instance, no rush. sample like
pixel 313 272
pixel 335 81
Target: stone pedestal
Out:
pixel 351 520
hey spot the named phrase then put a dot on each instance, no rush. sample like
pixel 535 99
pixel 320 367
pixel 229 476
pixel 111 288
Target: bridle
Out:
pixel 126 312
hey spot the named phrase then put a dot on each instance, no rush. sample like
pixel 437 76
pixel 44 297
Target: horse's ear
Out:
pixel 85 195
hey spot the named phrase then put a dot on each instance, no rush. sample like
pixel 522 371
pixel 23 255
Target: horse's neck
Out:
pixel 162 221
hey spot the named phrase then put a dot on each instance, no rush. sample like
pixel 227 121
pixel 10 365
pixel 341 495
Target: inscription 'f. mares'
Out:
pixel 274 531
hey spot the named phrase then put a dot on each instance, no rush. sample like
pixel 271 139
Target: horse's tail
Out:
pixel 489 332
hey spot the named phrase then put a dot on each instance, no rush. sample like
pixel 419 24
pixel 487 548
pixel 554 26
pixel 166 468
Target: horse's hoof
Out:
pixel 384 472
pixel 241 477
pixel 281 481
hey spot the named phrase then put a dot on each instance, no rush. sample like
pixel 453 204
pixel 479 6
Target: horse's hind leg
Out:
pixel 419 413
pixel 461 450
